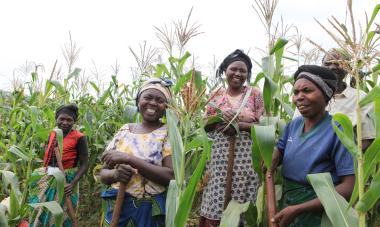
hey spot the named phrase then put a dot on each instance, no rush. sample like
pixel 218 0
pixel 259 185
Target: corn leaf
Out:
pixel 231 216
pixel 371 196
pixel 371 158
pixel 18 152
pixel 373 95
pixel 10 179
pixel 181 82
pixel 374 14
pixel 187 197
pixel 175 140
pixel 336 207
pixel 59 138
pixel 250 215
pixel 260 201
pixel 54 208
pixel 264 138
pixel 347 135
pixel 58 175
pixel 3 217
pixel 269 90
pixel 171 203
pixel 280 43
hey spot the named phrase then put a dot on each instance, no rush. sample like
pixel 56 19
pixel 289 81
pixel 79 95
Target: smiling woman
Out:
pixel 139 156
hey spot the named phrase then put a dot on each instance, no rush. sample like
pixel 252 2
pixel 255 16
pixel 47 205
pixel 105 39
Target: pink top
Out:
pixel 252 110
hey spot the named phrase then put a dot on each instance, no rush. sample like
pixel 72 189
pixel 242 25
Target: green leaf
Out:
pixel 14 204
pixel 59 138
pixel 58 86
pixel 269 90
pixel 260 200
pixel 33 116
pixel 187 197
pixel 175 140
pixel 182 61
pixel 369 38
pixel 181 82
pixel 373 95
pixel 376 111
pixel 371 196
pixel 3 217
pixel 259 76
pixel 347 135
pixel 251 215
pixel 256 157
pixel 371 158
pixel 336 207
pixel 75 73
pixel 18 152
pixel 374 14
pixel 231 216
pixel 9 178
pixel 60 178
pixel 171 203
pixel 280 43
pixel 54 208
pixel 264 138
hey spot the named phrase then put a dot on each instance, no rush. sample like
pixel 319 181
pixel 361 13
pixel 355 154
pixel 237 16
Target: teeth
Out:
pixel 150 111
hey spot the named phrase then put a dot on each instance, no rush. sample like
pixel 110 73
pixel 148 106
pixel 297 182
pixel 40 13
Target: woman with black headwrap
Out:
pixel 309 145
pixel 229 172
pixel 75 152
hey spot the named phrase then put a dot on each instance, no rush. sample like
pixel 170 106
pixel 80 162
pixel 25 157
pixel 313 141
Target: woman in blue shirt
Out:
pixel 310 145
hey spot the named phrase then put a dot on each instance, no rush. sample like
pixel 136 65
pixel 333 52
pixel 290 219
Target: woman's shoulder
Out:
pixel 254 90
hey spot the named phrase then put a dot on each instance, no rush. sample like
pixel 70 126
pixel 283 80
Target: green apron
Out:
pixel 294 193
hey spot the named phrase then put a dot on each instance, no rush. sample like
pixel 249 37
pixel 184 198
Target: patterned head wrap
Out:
pixel 159 84
pixel 322 77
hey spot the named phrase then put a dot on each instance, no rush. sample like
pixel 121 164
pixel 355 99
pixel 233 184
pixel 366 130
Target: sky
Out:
pixel 36 31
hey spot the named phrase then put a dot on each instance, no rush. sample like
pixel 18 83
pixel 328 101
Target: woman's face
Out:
pixel 65 122
pixel 330 62
pixel 308 98
pixel 236 73
pixel 152 104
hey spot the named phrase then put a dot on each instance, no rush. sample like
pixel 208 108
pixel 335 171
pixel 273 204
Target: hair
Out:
pixel 237 55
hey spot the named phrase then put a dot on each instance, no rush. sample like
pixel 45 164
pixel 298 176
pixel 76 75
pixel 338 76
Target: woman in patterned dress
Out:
pixel 237 70
pixel 140 157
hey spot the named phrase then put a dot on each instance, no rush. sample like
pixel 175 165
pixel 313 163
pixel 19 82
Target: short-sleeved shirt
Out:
pixel 316 151
pixel 345 103
pixel 151 147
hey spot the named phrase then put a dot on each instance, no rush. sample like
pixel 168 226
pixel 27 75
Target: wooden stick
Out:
pixel 118 205
pixel 270 198
pixel 68 202
pixel 230 167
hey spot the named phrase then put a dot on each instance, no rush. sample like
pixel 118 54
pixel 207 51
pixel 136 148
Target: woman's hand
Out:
pixel 69 189
pixel 123 173
pixel 228 115
pixel 115 157
pixel 276 160
pixel 286 216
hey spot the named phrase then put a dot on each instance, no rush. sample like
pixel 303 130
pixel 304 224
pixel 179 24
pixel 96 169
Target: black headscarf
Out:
pixel 322 77
pixel 70 109
pixel 237 55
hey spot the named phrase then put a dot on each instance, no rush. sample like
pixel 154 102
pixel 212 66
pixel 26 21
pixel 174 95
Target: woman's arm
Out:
pixel 288 214
pixel 82 150
pixel 159 174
